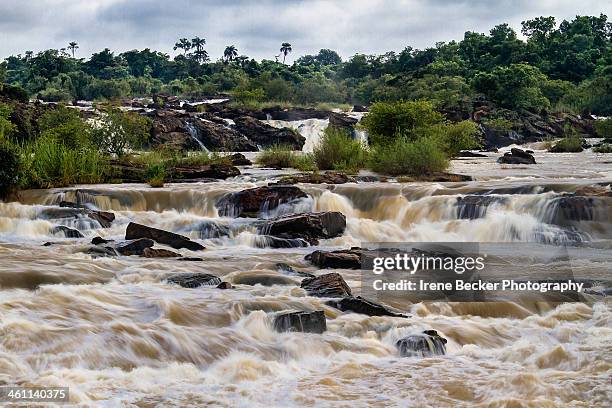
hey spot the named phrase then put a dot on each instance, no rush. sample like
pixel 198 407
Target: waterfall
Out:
pixel 193 132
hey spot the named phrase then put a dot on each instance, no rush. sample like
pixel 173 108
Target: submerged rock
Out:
pixel 564 209
pixel 176 241
pixel 100 240
pixel 250 202
pixel 160 253
pixel 194 280
pixel 516 156
pixel 211 229
pixel 307 322
pixel 308 226
pixel 475 206
pixel 104 218
pixel 68 232
pixel 363 306
pixel 269 241
pixel 135 247
pixel 289 270
pixel 427 344
pixel 328 285
pixel 340 259
pixel 225 285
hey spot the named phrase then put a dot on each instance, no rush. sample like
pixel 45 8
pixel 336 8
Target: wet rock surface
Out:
pixel 340 259
pixel 66 231
pixel 176 241
pixel 311 178
pixel 159 253
pixel 307 322
pixel 475 206
pixel 135 247
pixel 104 218
pixel 357 304
pixel 250 202
pixel 207 171
pixel 516 156
pixel 265 135
pixel 328 285
pixel 427 344
pixel 194 280
pixel 308 226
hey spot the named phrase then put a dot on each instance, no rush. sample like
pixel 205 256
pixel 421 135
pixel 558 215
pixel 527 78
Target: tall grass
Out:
pixel 282 156
pixel 405 157
pixel 338 151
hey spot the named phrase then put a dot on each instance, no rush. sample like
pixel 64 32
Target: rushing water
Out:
pixel 113 331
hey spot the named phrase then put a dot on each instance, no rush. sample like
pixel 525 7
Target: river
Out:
pixel 117 334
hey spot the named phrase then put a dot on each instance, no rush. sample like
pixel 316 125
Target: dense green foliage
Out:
pixel 604 148
pixel 565 65
pixel 409 157
pixel 603 128
pixel 116 132
pixel 10 168
pixel 338 151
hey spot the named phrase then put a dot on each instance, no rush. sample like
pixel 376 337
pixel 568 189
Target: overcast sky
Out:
pixel 258 27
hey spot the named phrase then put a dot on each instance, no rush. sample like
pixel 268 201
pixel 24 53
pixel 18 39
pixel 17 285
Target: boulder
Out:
pixel 360 108
pixel 341 120
pixel 100 240
pixel 475 206
pixel 329 285
pixel 68 232
pixel 225 285
pixel 340 259
pixel 239 159
pixel 594 191
pixel 159 253
pixel 176 241
pixel 194 280
pixel 169 129
pixel 211 229
pixel 269 241
pixel 99 250
pixel 206 171
pixel 221 137
pixel 467 153
pixel 287 269
pixel 516 156
pixel 265 135
pixel 249 203
pixel 191 259
pixel 308 226
pixel 307 322
pixel 362 306
pixel 134 247
pixel 427 344
pixel 104 218
pixel 565 209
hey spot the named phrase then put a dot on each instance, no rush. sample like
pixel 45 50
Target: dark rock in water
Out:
pixel 194 280
pixel 135 247
pixel 238 159
pixel 467 153
pixel 308 226
pixel 307 322
pixel 169 129
pixel 363 306
pixel 159 253
pixel 219 171
pixel 328 285
pixel 311 178
pixel 360 108
pixel 341 120
pixel 475 206
pixel 270 279
pixel 594 191
pixel 428 344
pixel 100 240
pixel 210 229
pixel 104 218
pixel 265 135
pixel 221 137
pixel 102 251
pixel 190 259
pixel 68 232
pixel 284 268
pixel 439 177
pixel 176 241
pixel 269 241
pixel 565 209
pixel 225 285
pixel 340 259
pixel 516 156
pixel 249 203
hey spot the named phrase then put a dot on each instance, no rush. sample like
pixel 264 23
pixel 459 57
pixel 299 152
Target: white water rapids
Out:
pixel 117 334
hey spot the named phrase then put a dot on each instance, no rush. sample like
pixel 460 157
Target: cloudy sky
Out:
pixel 258 27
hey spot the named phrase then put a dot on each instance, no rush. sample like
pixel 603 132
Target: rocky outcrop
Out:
pixel 100 240
pixel 307 322
pixel 159 253
pixel 66 231
pixel 169 129
pixel 265 135
pixel 238 159
pixel 475 206
pixel 467 153
pixel 566 209
pixel 291 114
pixel 249 203
pixel 340 259
pixel 427 344
pixel 516 156
pixel 176 241
pixel 360 108
pixel 225 285
pixel 308 226
pixel 104 218
pixel 211 229
pixel 221 137
pixel 312 178
pixel 220 171
pixel 362 306
pixel 438 177
pixel 194 280
pixel 135 247
pixel 342 121
pixel 289 270
pixel 269 241
pixel 328 285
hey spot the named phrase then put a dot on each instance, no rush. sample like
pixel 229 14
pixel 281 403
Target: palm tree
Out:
pixel 72 46
pixel 183 44
pixel 285 49
pixel 28 55
pixel 230 53
pixel 199 54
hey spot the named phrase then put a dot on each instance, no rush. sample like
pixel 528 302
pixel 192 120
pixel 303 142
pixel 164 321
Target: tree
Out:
pixel 328 57
pixel 199 54
pixel 285 49
pixel 230 53
pixel 183 44
pixel 72 46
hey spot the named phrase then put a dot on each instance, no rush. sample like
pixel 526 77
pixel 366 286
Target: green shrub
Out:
pixel 277 156
pixel 451 137
pixel 570 144
pixel 155 169
pixel 498 124
pixel 10 169
pixel 16 93
pixel 116 131
pixel 7 128
pixel 65 126
pixel 408 157
pixel 604 148
pixel 386 120
pixel 338 151
pixel 304 162
pixel 603 128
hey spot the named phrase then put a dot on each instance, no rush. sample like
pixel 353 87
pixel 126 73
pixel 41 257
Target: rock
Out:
pixel 292 114
pixel 562 210
pixel 265 135
pixel 220 171
pixel 287 269
pixel 249 203
pixel 309 226
pixel 467 153
pixel 307 322
pixel 311 178
pixel 438 177
pixel 263 279
pixel 169 129
pixel 516 156
pixel 160 253
pixel 594 191
pixel 194 280
pixel 563 148
pixel 210 229
pixel 238 159
pixel 100 240
pixel 225 285
pixel 190 259
pixel 362 306
pixel 68 232
pixel 102 251
pixel 328 285
pixel 135 247
pixel 221 137
pixel 340 259
pixel 343 121
pixel 104 218
pixel 427 344
pixel 176 241
pixel 360 108
pixel 269 241
pixel 475 206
